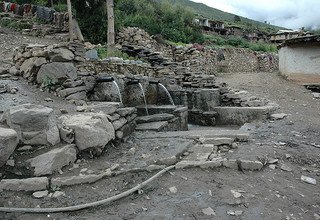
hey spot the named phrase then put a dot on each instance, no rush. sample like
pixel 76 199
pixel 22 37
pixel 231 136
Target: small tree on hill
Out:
pixel 236 18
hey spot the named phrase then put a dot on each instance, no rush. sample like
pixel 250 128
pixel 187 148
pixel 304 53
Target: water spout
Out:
pixel 167 92
pixel 103 79
pixel 144 98
pixel 118 89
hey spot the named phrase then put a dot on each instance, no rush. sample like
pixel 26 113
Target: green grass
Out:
pixel 15 25
pixel 238 42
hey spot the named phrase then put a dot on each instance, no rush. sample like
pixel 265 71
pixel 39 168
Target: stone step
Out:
pixel 152 126
pixel 236 134
pixel 154 118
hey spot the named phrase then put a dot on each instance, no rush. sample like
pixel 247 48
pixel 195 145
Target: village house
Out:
pixel 299 59
pixel 283 35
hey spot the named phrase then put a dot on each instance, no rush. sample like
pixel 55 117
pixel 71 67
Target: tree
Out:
pixel 111 34
pixel 236 18
pixel 70 21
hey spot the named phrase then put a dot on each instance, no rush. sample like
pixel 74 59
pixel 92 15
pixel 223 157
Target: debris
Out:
pixel 40 194
pixel 58 194
pixel 236 193
pixel 173 189
pixel 208 211
pixel 48 99
pixel 309 180
pixel 315 145
pixel 234 213
pixel 272 161
pixel 288 156
pixel 285 167
pixel 10 163
pixel 272 166
pixel 25 148
pixel 278 116
pixel 316 95
pixel 210 192
pixel 316 216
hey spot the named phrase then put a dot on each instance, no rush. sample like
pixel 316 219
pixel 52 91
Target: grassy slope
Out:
pixel 215 14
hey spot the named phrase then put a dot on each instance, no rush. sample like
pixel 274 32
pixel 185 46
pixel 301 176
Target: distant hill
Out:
pixel 215 14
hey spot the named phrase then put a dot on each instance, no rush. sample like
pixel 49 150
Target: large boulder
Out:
pixel 34 124
pixel 31 66
pixel 92 130
pixel 57 72
pixel 8 143
pixel 53 160
pixel 61 55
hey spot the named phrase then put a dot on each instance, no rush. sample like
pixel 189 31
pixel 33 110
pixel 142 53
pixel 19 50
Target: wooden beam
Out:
pixel 111 34
pixel 70 20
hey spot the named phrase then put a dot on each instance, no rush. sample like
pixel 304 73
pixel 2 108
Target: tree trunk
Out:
pixel 111 34
pixel 70 20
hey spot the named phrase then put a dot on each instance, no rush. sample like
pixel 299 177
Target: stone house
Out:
pixel 299 59
pixel 283 35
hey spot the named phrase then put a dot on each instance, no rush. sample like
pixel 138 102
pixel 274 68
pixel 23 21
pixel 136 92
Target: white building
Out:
pixel 299 59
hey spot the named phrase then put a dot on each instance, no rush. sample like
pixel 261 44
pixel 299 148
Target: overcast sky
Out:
pixel 292 14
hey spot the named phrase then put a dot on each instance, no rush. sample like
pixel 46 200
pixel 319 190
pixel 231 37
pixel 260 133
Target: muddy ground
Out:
pixel 266 194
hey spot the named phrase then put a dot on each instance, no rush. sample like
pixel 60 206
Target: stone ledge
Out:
pixel 30 184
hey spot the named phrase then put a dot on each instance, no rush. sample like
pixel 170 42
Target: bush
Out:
pixel 175 23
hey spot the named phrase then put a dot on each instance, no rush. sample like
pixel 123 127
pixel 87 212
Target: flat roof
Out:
pixel 315 39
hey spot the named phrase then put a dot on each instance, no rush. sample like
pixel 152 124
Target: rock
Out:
pixel 173 189
pixel 309 180
pixel 3 71
pixel 40 194
pixel 67 135
pixel 56 72
pixel 209 211
pixel 8 143
pixel 78 96
pixel 217 141
pixel 316 95
pixel 13 71
pixel 92 130
pixel 69 91
pixel 251 165
pixel 126 111
pixel 75 180
pixel 230 163
pixel 167 161
pixel 235 213
pixel 61 55
pixel 10 163
pixel 132 151
pixel 278 116
pixel 57 194
pixel 25 148
pixel 119 123
pixel 119 134
pixel 29 184
pixel 48 99
pixel 272 166
pixel 236 194
pixel 53 160
pixel 34 124
pixel 285 167
pixel 155 118
pixel 92 54
pixel 202 164
pixel 31 66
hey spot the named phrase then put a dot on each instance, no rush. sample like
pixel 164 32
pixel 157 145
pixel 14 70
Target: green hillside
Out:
pixel 215 14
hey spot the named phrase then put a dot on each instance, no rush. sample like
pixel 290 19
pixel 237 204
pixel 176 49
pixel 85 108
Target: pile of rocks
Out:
pixel 134 36
pixel 230 97
pixel 268 62
pixel 154 58
pixel 53 67
pixel 51 143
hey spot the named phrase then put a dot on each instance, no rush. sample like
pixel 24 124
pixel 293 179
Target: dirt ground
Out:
pixel 266 194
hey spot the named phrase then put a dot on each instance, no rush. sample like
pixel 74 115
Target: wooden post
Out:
pixel 111 34
pixel 70 20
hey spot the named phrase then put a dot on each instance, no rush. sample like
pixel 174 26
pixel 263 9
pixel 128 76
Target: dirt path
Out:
pixel 266 194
